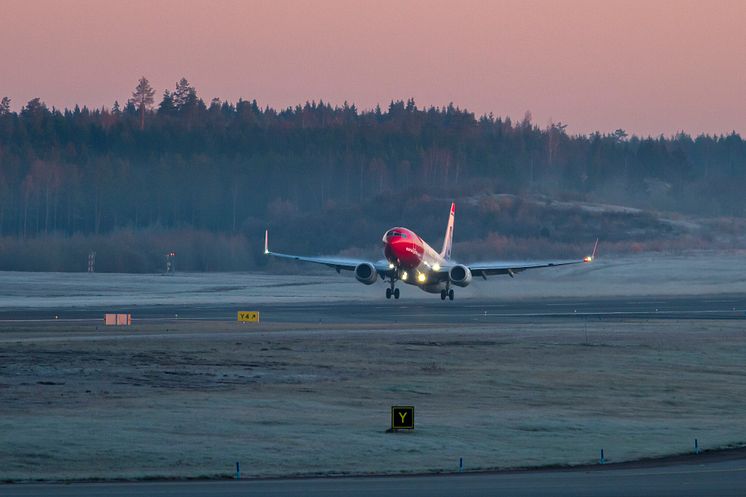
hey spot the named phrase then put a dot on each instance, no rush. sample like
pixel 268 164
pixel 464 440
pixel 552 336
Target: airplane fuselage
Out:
pixel 413 258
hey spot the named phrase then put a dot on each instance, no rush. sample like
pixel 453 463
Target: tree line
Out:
pixel 179 162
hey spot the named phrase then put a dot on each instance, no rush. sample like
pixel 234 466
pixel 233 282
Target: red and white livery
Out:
pixel 412 261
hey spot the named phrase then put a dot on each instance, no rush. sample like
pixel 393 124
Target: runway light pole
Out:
pixel 171 262
pixel 91 261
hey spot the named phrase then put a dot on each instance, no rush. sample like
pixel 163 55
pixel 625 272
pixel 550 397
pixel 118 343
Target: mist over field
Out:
pixel 175 173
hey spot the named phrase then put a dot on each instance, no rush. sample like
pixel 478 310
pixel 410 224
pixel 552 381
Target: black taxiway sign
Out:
pixel 402 417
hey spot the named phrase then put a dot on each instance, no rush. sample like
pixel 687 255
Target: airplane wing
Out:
pixel 512 267
pixel 338 263
pixel 484 269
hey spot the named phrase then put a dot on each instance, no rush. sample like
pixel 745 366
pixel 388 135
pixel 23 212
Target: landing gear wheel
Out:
pixel 443 294
pixel 388 293
pixel 396 293
pixel 450 294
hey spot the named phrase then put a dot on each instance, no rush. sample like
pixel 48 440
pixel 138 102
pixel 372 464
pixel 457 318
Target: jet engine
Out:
pixel 459 275
pixel 366 273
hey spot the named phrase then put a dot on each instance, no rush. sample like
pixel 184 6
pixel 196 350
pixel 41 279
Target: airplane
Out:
pixel 412 261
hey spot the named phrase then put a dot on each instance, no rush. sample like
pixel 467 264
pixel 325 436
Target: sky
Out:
pixel 649 67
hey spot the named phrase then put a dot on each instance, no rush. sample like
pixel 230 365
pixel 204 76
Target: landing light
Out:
pixel 391 265
pixel 436 267
pixel 588 258
pixel 421 277
pixel 404 276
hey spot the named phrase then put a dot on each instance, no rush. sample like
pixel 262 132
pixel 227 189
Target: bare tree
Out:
pixel 142 98
pixel 4 106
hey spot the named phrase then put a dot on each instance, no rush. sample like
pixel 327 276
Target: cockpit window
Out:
pixel 393 233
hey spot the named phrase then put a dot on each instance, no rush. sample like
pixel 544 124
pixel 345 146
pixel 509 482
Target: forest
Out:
pixel 137 179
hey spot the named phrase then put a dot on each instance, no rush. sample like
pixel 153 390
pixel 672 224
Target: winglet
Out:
pixel 266 241
pixel 590 258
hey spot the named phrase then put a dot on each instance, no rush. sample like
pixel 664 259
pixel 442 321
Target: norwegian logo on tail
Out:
pixel 448 240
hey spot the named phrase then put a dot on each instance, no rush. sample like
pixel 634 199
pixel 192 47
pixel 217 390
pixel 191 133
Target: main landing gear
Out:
pixel 392 291
pixel 446 293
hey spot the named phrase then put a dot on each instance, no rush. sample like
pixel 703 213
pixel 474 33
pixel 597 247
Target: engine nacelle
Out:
pixel 366 273
pixel 459 275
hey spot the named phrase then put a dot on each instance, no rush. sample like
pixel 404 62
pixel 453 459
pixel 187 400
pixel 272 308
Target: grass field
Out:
pixel 79 403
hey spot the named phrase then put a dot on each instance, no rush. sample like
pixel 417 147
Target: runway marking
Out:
pixel 616 313
pixel 472 317
pixel 185 318
pixel 52 320
pixel 134 319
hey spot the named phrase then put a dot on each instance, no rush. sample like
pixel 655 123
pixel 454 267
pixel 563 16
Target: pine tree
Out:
pixel 4 106
pixel 167 104
pixel 185 95
pixel 142 98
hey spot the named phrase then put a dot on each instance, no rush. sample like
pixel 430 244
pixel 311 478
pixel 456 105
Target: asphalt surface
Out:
pixel 720 474
pixel 726 306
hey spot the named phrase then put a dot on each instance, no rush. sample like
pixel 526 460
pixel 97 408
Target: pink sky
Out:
pixel 649 67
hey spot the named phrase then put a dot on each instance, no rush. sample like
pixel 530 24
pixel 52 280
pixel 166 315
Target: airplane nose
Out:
pixel 401 252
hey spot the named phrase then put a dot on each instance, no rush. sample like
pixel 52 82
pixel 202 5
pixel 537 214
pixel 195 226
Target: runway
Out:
pixel 722 474
pixel 712 306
